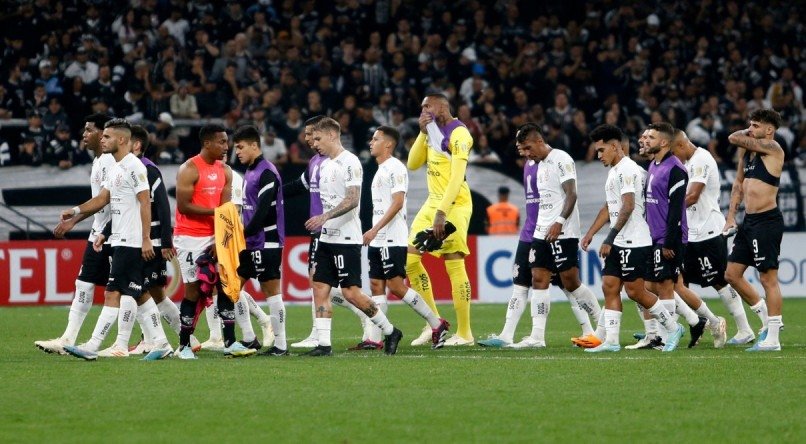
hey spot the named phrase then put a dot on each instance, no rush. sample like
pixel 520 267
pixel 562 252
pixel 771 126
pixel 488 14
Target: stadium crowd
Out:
pixel 568 66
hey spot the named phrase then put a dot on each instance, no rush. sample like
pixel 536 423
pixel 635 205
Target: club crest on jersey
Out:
pixel 212 176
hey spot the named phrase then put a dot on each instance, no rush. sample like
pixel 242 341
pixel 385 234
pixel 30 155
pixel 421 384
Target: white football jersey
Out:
pixel 335 176
pixel 390 178
pixel 101 166
pixel 705 219
pixel 237 189
pixel 127 178
pixel 627 177
pixel 558 167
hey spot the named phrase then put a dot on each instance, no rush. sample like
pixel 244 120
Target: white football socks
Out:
pixel 371 331
pixel 277 319
pixel 515 309
pixel 761 310
pixel 601 331
pixel 108 316
pixel 148 316
pixel 684 310
pixel 126 315
pixel 733 303
pixel 579 313
pixel 214 321
pixel 382 322
pixel 254 310
pixel 612 326
pixel 541 305
pixel 774 324
pixel 706 312
pixel 243 320
pixel 170 312
pixel 416 302
pixel 662 315
pixel 82 302
pixel 323 330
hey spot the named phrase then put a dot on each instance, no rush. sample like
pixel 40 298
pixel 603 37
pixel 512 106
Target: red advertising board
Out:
pixel 44 272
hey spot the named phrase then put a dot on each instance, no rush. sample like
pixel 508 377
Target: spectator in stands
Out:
pixel 183 104
pixel 62 150
pixel 578 136
pixel 562 112
pixel 82 67
pixel 39 99
pixel 273 148
pixel 482 153
pixel 51 80
pixel 54 116
pixel 164 141
pixel 30 152
pixel 701 132
pixel 36 132
pixel 9 106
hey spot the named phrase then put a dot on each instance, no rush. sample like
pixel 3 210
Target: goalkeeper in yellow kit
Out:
pixel 443 146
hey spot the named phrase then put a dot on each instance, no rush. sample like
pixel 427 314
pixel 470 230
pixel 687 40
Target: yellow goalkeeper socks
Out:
pixel 419 280
pixel 460 290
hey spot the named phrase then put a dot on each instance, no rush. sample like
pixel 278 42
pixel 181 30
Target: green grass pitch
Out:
pixel 469 394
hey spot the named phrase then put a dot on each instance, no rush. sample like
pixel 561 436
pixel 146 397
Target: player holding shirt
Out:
pixel 246 304
pixel 758 239
pixel 94 265
pixel 443 145
pixel 338 262
pixel 388 238
pixel 309 182
pixel 203 183
pixel 264 229
pixel 126 192
pixel 628 246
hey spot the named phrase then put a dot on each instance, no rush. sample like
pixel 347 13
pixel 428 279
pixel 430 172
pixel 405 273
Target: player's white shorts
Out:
pixel 188 248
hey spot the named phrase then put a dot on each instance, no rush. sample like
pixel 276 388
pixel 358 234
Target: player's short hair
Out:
pixel 207 131
pixel 140 134
pixel 390 132
pixel 313 120
pixel 247 133
pixel 679 134
pixel 606 133
pixel 664 128
pixel 767 116
pixel 438 95
pixel 327 124
pixel 119 124
pixel 527 130
pixel 98 119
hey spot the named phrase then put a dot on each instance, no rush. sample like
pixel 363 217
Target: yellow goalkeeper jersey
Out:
pixel 439 155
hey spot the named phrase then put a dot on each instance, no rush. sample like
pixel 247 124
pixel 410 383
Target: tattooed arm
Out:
pixel 763 146
pixel 350 201
pixel 736 192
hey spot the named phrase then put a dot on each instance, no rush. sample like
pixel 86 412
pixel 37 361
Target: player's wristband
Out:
pixel 76 211
pixel 611 236
pixel 560 220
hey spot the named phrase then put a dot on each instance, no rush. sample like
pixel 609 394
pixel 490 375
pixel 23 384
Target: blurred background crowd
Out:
pixel 570 65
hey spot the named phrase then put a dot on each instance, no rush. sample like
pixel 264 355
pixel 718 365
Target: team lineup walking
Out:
pixel 665 232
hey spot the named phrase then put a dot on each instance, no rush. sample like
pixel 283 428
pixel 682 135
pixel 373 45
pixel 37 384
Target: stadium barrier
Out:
pixel 44 272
